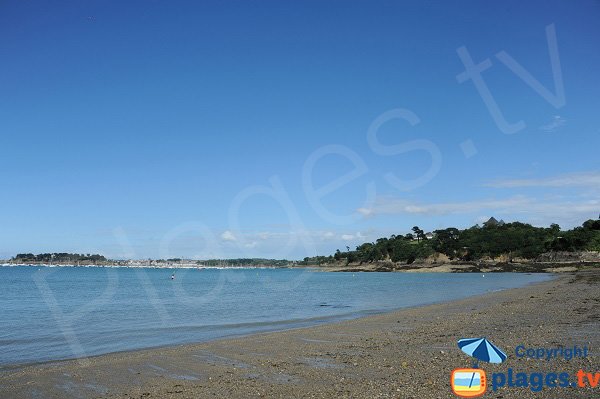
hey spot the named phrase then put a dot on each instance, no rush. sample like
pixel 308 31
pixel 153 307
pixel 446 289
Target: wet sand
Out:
pixel 409 353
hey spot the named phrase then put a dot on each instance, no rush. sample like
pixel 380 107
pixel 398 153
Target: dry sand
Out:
pixel 405 354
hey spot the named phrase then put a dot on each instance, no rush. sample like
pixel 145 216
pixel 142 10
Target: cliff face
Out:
pixel 578 256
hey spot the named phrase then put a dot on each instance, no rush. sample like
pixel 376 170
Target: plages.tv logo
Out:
pixel 472 382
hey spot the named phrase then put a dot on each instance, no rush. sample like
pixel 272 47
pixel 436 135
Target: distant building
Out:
pixel 493 222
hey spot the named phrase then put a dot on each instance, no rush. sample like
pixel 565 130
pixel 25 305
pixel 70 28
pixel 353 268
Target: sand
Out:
pixel 408 353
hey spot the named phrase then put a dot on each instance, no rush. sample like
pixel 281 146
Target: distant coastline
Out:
pixel 141 264
pixel 74 260
pixel 550 263
pixel 496 246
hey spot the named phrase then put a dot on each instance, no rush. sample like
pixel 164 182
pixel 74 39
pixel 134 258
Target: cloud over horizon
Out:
pixel 228 236
pixel 571 208
pixel 581 179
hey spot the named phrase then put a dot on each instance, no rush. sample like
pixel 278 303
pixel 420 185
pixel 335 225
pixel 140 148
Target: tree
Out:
pixel 446 241
pixel 338 255
pixel 420 234
pixel 591 224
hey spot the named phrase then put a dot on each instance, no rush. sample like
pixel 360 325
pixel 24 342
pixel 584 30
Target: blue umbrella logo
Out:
pixel 481 349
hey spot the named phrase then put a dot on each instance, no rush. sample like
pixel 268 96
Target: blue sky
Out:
pixel 206 129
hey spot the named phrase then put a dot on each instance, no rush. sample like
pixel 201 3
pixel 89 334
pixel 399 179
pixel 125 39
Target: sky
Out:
pixel 208 129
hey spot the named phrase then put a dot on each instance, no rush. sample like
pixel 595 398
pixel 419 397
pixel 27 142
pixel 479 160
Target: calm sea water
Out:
pixel 68 312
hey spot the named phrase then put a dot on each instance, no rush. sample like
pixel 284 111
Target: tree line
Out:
pixel 246 262
pixel 58 257
pixel 493 239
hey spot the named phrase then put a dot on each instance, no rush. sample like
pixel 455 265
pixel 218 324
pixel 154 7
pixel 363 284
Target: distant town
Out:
pixel 69 259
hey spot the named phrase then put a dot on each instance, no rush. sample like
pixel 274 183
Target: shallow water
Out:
pixel 69 312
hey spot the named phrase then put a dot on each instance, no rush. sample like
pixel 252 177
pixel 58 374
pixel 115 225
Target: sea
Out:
pixel 54 313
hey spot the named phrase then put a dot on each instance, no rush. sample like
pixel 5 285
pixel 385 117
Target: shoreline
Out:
pixel 367 356
pixel 417 267
pixel 115 266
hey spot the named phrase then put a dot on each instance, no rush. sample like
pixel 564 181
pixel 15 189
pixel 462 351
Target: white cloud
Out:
pixel 579 202
pixel 274 236
pixel 583 179
pixel 228 236
pixel 556 122
pixel 251 244
pixel 265 235
pixel 527 209
pixel 392 206
pixel 365 211
pixel 350 237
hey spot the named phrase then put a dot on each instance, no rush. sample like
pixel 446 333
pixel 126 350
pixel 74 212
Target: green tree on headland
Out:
pixel 493 239
pixel 419 234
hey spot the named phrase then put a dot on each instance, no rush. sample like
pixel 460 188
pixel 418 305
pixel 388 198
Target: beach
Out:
pixel 409 353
